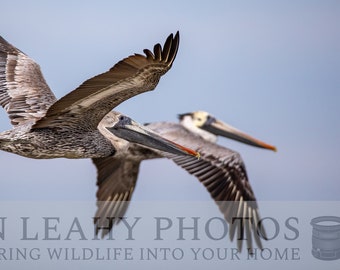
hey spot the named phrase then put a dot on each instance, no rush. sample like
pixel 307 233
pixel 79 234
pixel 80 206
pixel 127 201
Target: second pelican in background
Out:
pixel 221 170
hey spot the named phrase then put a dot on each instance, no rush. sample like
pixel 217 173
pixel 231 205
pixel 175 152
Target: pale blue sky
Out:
pixel 270 68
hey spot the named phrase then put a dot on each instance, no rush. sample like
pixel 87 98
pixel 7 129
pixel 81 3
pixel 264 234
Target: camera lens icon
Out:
pixel 326 238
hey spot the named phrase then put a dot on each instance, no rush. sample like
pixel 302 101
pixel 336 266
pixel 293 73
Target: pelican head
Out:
pixel 126 128
pixel 208 127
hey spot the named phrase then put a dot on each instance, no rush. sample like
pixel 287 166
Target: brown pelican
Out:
pixel 220 169
pixel 72 127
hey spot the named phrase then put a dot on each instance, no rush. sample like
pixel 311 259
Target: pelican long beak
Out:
pixel 131 131
pixel 222 129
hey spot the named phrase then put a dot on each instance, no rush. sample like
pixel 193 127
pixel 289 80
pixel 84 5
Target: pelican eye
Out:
pixel 124 120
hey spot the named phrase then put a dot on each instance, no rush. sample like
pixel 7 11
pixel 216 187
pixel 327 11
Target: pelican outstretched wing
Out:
pixel 116 180
pixel 223 173
pixel 24 93
pixel 91 101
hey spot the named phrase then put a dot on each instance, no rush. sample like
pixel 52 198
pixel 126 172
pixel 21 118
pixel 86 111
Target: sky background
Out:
pixel 269 68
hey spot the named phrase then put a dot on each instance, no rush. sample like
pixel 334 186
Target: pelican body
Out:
pixel 50 143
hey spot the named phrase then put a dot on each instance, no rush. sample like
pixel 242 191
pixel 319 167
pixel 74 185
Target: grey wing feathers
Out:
pixel 24 94
pixel 223 173
pixel 116 181
pixel 227 183
pixel 92 100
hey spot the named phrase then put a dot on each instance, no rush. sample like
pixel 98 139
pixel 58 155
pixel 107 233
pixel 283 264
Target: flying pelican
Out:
pixel 220 169
pixel 72 127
